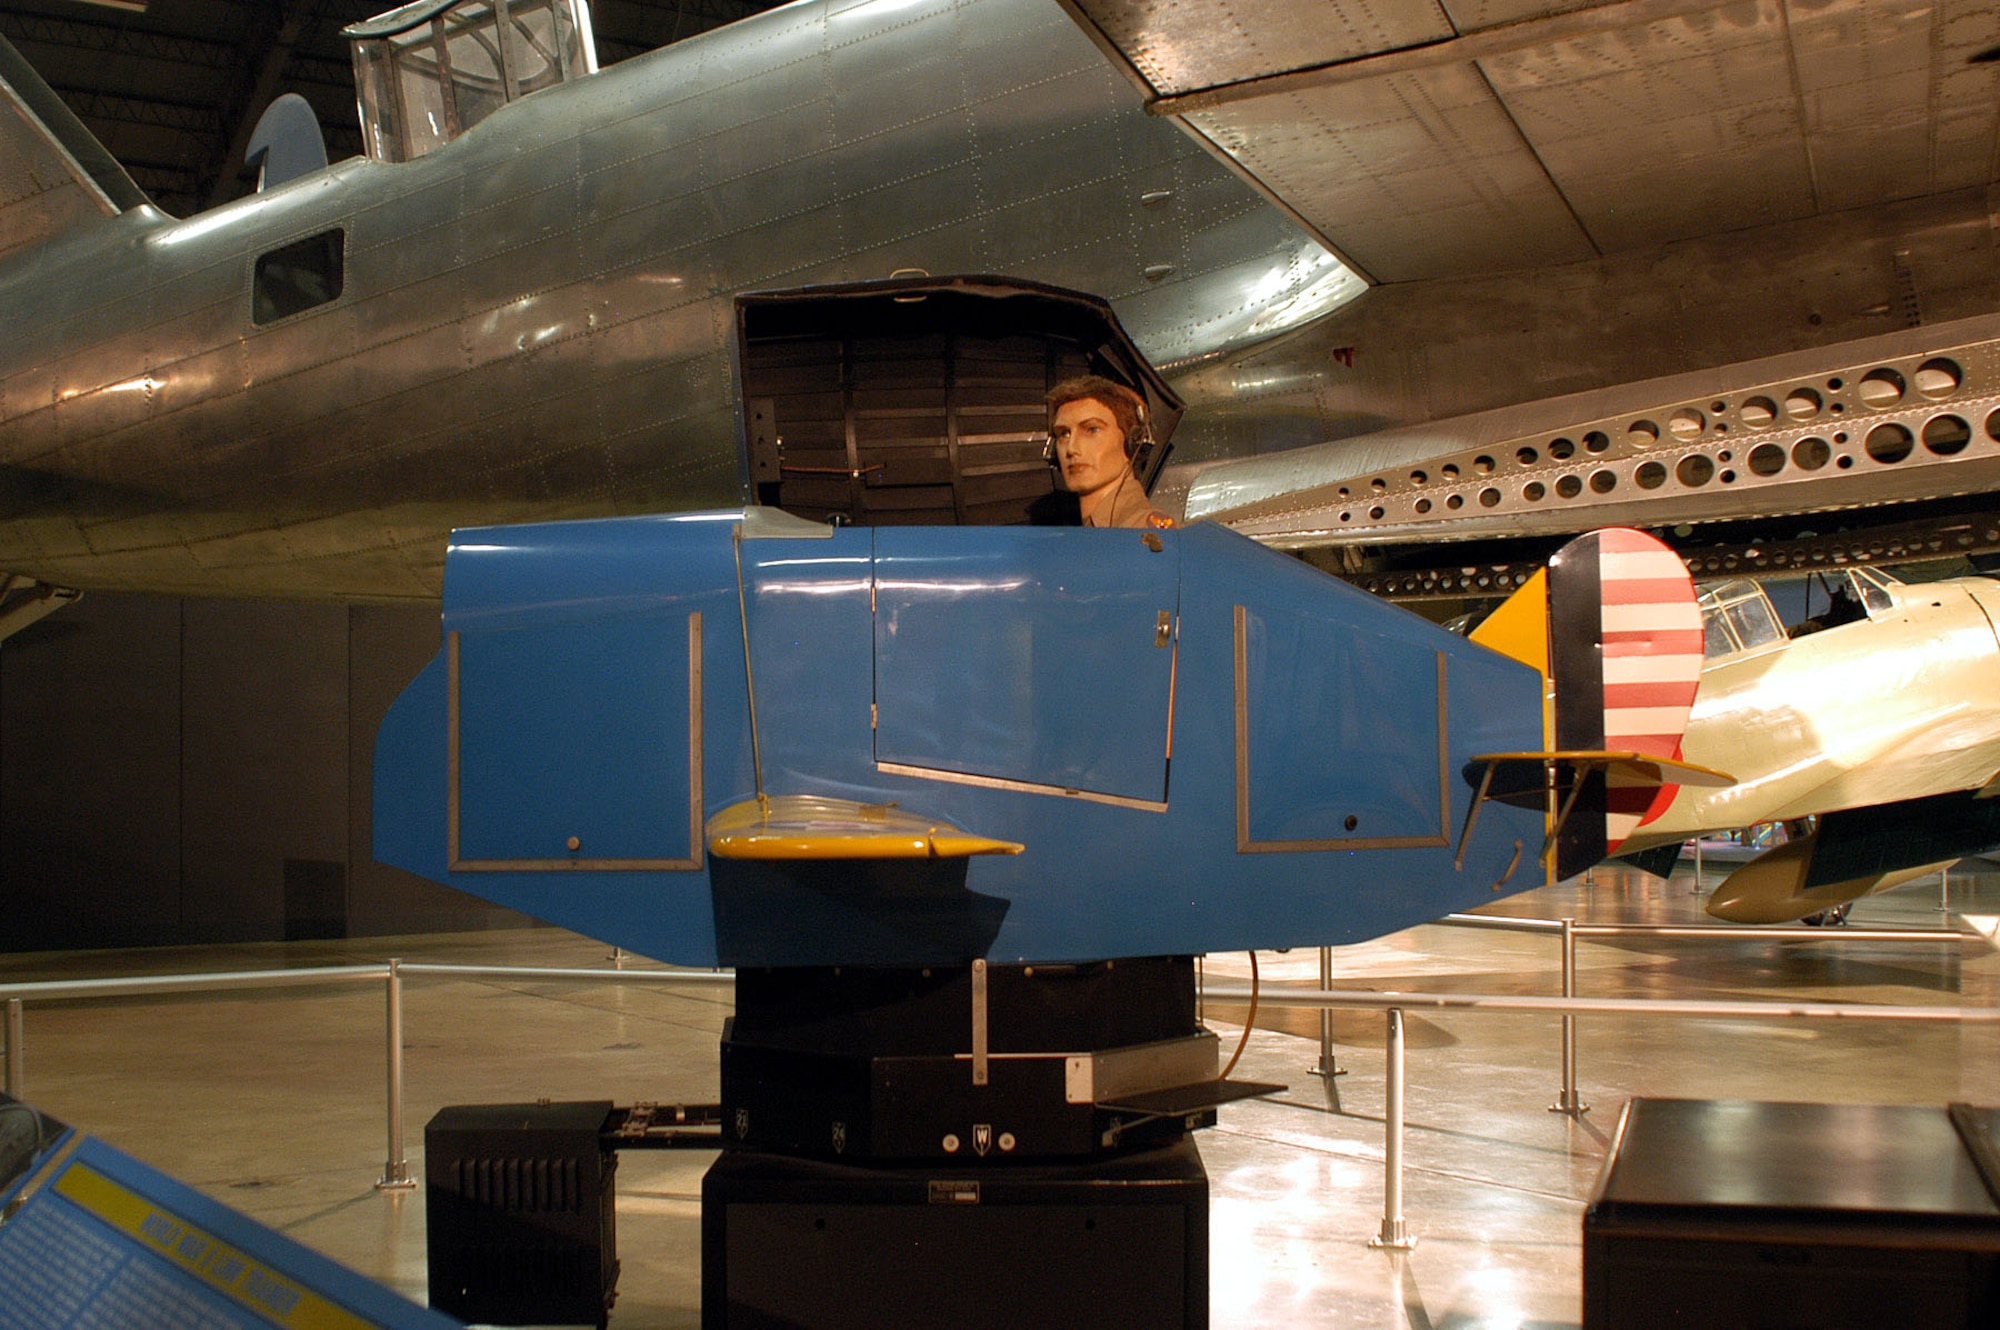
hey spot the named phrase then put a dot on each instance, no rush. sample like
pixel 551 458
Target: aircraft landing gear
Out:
pixel 1832 918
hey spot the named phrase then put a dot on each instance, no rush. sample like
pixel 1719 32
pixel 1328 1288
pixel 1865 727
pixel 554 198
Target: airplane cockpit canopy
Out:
pixel 1871 586
pixel 1737 615
pixel 920 401
pixel 427 72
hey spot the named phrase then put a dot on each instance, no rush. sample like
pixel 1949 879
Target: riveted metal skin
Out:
pixel 533 319
pixel 1481 135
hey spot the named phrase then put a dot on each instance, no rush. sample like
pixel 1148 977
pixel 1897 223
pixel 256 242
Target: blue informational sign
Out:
pixel 90 1237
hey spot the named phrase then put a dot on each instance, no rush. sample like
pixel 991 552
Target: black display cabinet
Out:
pixel 1723 1214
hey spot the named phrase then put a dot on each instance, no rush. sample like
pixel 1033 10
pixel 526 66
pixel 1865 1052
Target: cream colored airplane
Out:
pixel 1875 732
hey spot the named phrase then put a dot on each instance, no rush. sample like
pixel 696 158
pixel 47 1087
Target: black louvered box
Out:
pixel 520 1226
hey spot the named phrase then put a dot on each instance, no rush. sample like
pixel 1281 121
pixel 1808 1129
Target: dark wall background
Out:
pixel 177 771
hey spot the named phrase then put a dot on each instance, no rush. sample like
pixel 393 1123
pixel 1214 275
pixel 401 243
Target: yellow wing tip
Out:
pixel 793 827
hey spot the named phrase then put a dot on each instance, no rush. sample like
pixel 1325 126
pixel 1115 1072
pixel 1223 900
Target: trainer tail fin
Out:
pixel 54 176
pixel 1613 625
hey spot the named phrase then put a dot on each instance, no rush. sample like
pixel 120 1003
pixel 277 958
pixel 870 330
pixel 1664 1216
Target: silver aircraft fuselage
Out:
pixel 535 319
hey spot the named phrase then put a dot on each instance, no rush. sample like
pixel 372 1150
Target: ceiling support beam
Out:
pixel 114 39
pixel 176 116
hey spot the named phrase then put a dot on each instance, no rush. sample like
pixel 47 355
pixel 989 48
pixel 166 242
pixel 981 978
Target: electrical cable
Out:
pixel 1249 1022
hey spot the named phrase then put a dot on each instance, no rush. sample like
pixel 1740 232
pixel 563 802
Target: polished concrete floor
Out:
pixel 273 1101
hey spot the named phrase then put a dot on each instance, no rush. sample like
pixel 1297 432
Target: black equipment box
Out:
pixel 1722 1214
pixel 790 1242
pixel 866 1064
pixel 520 1213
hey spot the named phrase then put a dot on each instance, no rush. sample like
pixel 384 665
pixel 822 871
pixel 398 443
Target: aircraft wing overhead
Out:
pixel 1426 140
pixel 53 174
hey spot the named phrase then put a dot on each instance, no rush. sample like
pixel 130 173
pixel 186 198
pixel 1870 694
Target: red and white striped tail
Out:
pixel 1614 624
pixel 1650 631
pixel 1625 646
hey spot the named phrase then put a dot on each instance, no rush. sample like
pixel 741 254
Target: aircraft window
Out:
pixel 428 72
pixel 1873 589
pixel 1717 640
pixel 1736 615
pixel 303 274
pixel 1754 623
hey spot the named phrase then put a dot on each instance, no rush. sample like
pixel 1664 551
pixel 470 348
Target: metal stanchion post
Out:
pixel 17 1052
pixel 1697 865
pixel 1568 1102
pixel 1944 890
pixel 1326 1065
pixel 1395 1234
pixel 396 1172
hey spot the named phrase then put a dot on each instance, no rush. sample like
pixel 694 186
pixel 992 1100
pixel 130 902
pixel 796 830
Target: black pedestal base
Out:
pixel 792 1243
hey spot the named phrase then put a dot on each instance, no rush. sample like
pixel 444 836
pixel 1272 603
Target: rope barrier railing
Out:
pixel 1394 1233
pixel 396 1168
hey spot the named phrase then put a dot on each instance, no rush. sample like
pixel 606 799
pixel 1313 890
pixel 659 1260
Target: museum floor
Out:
pixel 273 1101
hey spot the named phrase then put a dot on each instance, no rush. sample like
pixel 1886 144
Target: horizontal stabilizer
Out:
pixel 810 827
pixel 1522 779
pixel 1531 780
pixel 54 176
